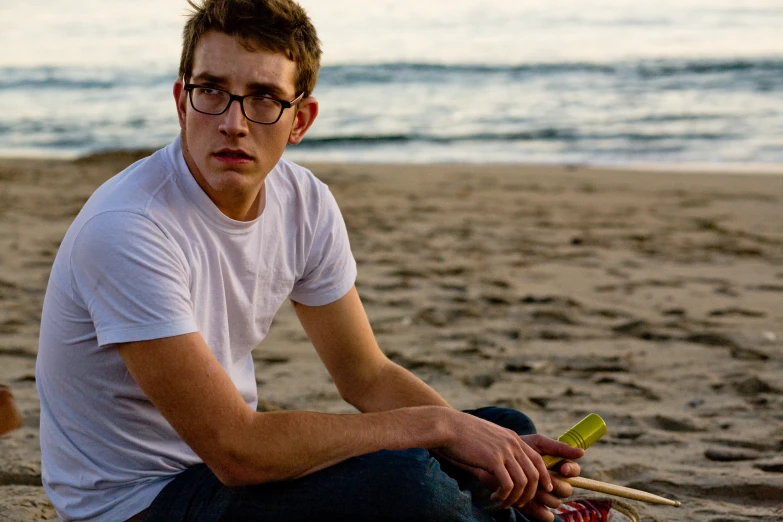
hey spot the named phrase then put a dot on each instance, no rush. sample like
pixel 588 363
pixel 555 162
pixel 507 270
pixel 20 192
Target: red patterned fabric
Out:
pixel 584 511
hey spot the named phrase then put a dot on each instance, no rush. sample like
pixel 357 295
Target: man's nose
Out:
pixel 234 121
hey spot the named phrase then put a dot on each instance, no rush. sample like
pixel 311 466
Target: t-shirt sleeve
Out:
pixel 133 279
pixel 330 269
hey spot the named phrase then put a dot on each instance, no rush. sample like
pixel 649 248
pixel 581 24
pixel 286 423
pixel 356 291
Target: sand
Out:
pixel 653 299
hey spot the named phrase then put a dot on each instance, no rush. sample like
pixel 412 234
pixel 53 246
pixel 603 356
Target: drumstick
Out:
pixel 618 491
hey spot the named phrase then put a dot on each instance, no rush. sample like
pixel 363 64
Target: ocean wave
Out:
pixel 697 67
pixel 77 78
pixel 23 78
pixel 384 139
pixel 548 134
pixel 402 72
pixel 674 118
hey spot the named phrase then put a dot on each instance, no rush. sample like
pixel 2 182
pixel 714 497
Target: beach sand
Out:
pixel 653 299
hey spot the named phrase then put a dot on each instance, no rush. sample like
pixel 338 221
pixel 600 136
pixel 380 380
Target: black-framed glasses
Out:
pixel 255 107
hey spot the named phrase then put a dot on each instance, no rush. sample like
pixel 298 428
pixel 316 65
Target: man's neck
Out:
pixel 238 205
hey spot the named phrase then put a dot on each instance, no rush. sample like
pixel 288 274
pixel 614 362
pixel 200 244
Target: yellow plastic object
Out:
pixel 583 435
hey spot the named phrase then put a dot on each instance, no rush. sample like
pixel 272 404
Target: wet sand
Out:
pixel 653 299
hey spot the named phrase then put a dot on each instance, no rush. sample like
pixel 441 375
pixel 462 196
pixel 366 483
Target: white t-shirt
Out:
pixel 150 256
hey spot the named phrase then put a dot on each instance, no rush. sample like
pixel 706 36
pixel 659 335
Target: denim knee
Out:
pixel 506 417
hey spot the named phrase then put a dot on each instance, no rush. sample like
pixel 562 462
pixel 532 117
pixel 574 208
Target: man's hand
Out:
pixel 543 496
pixel 510 466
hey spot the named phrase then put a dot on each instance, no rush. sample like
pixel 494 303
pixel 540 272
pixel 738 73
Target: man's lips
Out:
pixel 233 156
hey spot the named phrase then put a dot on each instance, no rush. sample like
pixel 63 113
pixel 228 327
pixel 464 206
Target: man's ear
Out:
pixel 304 118
pixel 181 99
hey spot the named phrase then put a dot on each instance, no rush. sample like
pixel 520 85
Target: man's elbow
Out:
pixel 355 396
pixel 234 472
pixel 361 393
pixel 231 473
pixel 236 462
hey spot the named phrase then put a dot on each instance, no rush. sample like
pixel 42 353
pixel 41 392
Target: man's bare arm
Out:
pixel 364 376
pixel 193 392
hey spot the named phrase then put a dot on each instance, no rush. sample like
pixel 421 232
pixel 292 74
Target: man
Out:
pixel 170 276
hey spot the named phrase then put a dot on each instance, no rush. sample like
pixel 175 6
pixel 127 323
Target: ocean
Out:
pixel 687 83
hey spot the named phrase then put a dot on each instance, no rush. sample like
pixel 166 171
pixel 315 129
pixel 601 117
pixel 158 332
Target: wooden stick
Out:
pixel 618 491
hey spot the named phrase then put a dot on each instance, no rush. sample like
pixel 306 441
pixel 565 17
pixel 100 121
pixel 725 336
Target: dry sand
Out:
pixel 653 299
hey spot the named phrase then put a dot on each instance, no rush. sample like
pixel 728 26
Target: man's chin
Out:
pixel 229 178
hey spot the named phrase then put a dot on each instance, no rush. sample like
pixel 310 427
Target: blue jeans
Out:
pixel 409 485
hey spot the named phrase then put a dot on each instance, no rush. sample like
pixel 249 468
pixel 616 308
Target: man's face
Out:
pixel 228 155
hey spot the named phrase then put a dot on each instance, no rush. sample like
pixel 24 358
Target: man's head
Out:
pixel 243 60
pixel 278 26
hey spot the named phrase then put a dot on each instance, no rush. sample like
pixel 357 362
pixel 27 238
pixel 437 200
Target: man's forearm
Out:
pixel 394 387
pixel 275 446
pixel 294 444
pixel 280 446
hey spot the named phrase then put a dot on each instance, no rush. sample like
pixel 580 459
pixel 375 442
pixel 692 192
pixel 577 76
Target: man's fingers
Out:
pixel 547 446
pixel 547 499
pixel 538 512
pixel 561 489
pixel 531 473
pixel 506 484
pixel 521 483
pixel 570 469
pixel 544 478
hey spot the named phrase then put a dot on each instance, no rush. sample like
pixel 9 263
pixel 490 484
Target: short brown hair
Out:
pixel 278 26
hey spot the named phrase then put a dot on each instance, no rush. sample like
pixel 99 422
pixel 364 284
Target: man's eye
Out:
pixel 206 91
pixel 262 100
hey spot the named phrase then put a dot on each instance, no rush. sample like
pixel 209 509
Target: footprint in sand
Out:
pixel 671 423
pixel 766 288
pixel 735 312
pixel 731 454
pixel 753 386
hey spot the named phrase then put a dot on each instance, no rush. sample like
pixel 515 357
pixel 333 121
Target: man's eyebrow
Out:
pixel 206 77
pixel 255 87
pixel 267 88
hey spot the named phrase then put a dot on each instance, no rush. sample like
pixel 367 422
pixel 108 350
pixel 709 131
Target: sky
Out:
pixel 105 32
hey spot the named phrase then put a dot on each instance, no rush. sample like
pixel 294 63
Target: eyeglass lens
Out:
pixel 257 108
